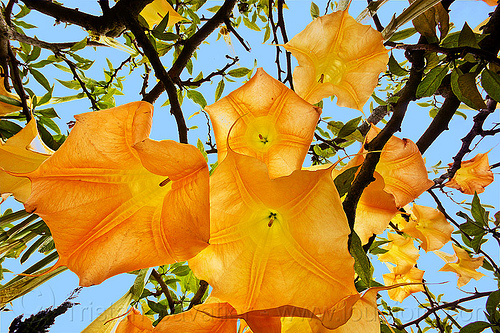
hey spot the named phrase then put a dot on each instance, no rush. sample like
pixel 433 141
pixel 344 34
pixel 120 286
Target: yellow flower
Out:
pixel 465 267
pixel 401 252
pixel 473 176
pixel 430 226
pixel 337 56
pixel 414 275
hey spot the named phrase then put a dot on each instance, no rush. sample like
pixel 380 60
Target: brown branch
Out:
pixel 190 45
pixel 72 67
pixel 452 52
pixel 440 122
pixel 199 294
pixel 231 29
pixel 164 288
pixel 161 74
pixel 8 11
pixel 209 77
pixel 18 84
pixel 448 305
pixel 374 147
pixel 476 130
pixel 115 72
pixel 288 55
pixel 274 28
pixel 110 24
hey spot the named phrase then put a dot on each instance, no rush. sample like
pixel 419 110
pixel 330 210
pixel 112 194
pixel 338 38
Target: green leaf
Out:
pixel 139 282
pixel 72 84
pixel 431 81
pixel 10 100
pixel 349 127
pixel 80 45
pixel 181 270
pixel 403 34
pixel 493 302
pixel 314 10
pixel 40 78
pixel 239 72
pixel 12 217
pixel 475 327
pixel 267 34
pixel 478 212
pixel 250 25
pixel 163 24
pixel 491 83
pixel 197 97
pixel 362 265
pixel 25 284
pixel 343 181
pixel 201 148
pixel 166 36
pixel 35 53
pixel 465 88
pixel 219 90
pixel 56 100
pixel 395 68
pixel 467 37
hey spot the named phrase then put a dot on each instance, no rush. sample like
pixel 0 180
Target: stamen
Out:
pixel 165 182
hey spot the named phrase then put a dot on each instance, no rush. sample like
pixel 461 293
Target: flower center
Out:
pixel 261 133
pixel 333 71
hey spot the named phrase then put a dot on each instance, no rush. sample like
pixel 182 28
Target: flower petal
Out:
pixel 338 56
pixel 266 120
pixel 465 267
pixel 430 226
pixel 401 252
pixel 116 201
pixel 414 275
pixel 16 156
pixel 154 12
pixel 268 236
pixel 473 176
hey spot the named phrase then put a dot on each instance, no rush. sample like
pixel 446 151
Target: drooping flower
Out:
pixel 402 167
pixel 17 155
pixel 116 201
pixel 375 209
pixel 268 236
pixel 430 226
pixel 265 119
pixel 465 266
pixel 340 57
pixel 6 108
pixel 154 12
pixel 401 252
pixel 413 277
pixel 473 176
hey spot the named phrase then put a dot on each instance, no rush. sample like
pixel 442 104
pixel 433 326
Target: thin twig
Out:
pixel 231 29
pixel 288 55
pixel 18 84
pixel 448 305
pixel 209 77
pixel 164 288
pixel 162 75
pixel 72 67
pixel 115 73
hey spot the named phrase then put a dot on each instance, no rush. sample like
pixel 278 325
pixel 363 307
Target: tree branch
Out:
pixel 209 77
pixel 164 288
pixel 161 74
pixel 374 147
pixel 110 24
pixel 190 46
pixel 199 294
pixel 448 305
pixel 72 67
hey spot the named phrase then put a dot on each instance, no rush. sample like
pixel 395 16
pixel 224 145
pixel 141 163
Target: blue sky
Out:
pixel 94 300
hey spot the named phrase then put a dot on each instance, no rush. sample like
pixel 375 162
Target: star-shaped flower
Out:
pixel 465 266
pixel 340 57
pixel 265 119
